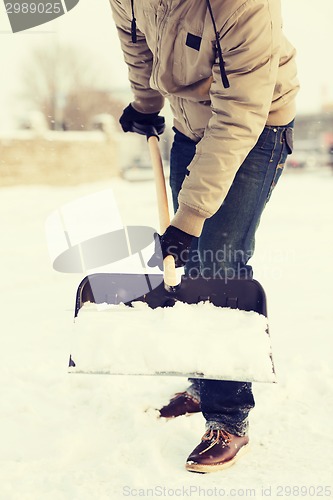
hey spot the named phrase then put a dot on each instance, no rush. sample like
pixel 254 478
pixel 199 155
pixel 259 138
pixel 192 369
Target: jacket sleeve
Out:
pixel 139 60
pixel 250 43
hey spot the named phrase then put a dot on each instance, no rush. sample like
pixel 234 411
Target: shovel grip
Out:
pixel 170 276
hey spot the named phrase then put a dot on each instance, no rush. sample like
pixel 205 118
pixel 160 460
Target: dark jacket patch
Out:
pixel 193 41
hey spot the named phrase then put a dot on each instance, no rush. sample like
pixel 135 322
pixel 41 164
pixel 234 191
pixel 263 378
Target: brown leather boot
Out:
pixel 218 450
pixel 182 403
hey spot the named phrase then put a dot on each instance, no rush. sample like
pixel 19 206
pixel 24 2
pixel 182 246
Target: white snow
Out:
pixel 85 437
pixel 217 342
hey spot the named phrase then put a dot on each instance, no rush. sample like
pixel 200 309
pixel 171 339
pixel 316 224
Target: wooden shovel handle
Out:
pixel 170 275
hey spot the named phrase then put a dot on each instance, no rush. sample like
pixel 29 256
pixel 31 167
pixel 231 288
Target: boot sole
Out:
pixel 203 468
pixel 189 414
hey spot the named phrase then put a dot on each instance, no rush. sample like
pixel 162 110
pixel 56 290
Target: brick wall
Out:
pixel 58 158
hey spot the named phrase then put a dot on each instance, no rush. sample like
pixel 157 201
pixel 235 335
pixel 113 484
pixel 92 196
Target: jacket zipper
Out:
pixel 157 62
pixel 159 32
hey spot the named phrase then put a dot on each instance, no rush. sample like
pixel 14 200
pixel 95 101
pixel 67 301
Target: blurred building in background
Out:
pixel 313 147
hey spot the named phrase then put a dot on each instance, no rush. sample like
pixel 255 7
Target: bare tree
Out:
pixel 64 84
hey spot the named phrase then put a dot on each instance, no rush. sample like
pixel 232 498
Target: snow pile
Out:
pixel 186 339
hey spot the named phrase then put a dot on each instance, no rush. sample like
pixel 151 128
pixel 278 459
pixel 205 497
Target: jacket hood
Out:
pixel 218 48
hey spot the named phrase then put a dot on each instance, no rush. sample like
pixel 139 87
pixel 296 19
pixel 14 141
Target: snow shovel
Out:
pixel 152 324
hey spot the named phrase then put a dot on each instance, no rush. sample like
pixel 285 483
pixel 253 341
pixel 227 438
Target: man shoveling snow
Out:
pixel 230 76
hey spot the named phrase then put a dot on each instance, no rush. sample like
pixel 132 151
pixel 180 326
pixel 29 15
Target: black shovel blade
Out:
pixel 113 288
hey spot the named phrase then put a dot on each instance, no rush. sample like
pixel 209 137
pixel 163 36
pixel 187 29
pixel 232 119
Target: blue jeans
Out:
pixel 226 244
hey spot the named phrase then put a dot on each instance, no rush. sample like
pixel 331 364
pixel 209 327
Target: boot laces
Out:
pixel 215 436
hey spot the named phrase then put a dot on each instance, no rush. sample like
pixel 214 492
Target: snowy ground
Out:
pixel 83 437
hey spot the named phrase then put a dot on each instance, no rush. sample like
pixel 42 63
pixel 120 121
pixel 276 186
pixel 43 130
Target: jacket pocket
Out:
pixel 193 57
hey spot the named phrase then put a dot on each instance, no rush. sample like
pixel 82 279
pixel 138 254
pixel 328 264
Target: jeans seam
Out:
pixel 262 188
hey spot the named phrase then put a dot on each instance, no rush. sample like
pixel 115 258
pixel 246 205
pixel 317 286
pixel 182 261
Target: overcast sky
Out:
pixel 89 26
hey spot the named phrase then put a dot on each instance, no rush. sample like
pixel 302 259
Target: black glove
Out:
pixel 131 116
pixel 173 242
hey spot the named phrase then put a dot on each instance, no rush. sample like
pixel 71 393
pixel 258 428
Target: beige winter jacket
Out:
pixel 175 57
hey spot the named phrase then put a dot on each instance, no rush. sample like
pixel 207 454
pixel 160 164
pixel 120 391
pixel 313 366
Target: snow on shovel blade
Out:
pixel 209 328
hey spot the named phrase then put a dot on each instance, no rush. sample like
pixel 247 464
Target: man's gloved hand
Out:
pixel 131 116
pixel 173 242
